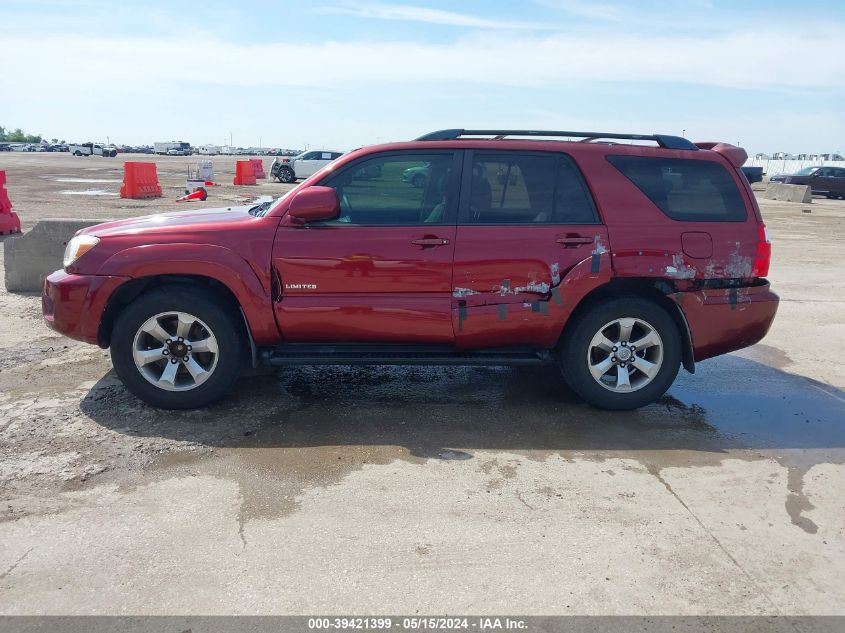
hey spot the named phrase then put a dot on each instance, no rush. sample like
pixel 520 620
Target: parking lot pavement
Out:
pixel 459 490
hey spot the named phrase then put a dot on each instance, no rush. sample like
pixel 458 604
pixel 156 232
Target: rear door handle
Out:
pixel 430 241
pixel 572 242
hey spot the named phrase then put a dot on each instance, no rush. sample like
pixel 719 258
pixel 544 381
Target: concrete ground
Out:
pixel 416 490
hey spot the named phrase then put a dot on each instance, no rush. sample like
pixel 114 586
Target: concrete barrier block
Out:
pixel 32 256
pixel 789 193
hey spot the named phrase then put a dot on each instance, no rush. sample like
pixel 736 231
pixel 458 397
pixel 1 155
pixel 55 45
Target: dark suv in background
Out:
pixel 615 258
pixel 823 181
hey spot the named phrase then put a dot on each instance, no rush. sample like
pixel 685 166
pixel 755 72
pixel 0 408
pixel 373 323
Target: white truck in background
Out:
pixel 172 148
pixel 92 149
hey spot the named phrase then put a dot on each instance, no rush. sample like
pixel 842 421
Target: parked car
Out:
pixel 302 165
pixel 616 263
pixel 753 174
pixel 417 176
pixel 823 181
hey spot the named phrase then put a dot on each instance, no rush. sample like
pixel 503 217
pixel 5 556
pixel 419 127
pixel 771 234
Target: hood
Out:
pixel 200 219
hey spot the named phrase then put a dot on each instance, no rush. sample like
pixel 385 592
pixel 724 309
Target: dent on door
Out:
pixel 524 296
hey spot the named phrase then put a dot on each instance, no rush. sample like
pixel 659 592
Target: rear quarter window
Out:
pixel 683 189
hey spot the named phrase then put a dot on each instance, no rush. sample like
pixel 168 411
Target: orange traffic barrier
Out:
pixel 244 173
pixel 197 194
pixel 9 220
pixel 140 180
pixel 258 167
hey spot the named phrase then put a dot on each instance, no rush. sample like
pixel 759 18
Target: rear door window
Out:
pixel 684 189
pixel 523 188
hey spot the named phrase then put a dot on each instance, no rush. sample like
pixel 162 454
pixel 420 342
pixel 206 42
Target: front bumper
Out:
pixel 723 320
pixel 73 305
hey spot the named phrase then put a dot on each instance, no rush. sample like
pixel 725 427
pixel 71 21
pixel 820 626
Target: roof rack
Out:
pixel 663 140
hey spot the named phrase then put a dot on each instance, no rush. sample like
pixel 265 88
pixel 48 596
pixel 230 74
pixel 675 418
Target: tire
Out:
pixel 77 153
pixel 286 175
pixel 214 327
pixel 602 325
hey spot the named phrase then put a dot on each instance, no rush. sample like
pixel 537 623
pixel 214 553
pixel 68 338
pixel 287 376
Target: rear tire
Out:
pixel 183 324
pixel 596 358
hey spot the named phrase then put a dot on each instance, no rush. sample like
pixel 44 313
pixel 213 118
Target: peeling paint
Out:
pixel 505 288
pixel 599 246
pixel 555 269
pixel 459 293
pixel 679 268
pixel 533 286
pixel 598 251
pixel 738 267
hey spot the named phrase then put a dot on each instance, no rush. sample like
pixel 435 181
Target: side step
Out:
pixel 355 354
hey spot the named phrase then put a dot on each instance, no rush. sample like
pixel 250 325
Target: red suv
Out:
pixel 616 262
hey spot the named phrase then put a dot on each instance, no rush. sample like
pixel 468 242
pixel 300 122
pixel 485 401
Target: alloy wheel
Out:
pixel 625 355
pixel 175 351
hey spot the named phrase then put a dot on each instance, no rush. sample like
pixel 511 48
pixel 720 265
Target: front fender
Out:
pixel 207 260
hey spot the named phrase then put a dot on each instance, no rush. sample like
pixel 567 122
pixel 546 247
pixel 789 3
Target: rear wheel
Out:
pixel 622 353
pixel 178 348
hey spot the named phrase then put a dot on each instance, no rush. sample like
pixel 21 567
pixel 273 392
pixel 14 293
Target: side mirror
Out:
pixel 314 204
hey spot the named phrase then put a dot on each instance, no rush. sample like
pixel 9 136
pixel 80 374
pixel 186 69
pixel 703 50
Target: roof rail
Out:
pixel 663 140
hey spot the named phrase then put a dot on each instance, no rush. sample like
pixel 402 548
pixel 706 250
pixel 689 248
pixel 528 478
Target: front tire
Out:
pixel 622 353
pixel 177 347
pixel 286 175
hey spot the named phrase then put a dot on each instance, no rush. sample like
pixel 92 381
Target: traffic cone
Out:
pixel 197 194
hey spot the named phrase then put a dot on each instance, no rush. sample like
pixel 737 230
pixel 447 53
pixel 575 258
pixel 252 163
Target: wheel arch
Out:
pixel 127 292
pixel 655 290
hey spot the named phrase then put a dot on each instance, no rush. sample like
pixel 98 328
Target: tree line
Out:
pixel 19 136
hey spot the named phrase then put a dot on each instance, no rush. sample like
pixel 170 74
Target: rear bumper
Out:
pixel 723 320
pixel 73 305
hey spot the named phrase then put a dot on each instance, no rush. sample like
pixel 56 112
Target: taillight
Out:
pixel 764 252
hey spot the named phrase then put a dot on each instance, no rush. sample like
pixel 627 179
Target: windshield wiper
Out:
pixel 259 209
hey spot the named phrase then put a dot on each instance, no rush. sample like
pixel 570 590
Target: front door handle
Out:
pixel 572 242
pixel 430 241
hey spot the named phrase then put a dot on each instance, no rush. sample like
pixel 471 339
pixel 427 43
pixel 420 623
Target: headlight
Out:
pixel 77 247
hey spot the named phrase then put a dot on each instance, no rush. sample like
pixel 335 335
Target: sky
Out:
pixel 339 74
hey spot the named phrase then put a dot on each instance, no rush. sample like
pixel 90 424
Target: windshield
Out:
pixel 806 171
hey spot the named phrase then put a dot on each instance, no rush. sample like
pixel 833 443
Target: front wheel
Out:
pixel 286 175
pixel 622 354
pixel 177 348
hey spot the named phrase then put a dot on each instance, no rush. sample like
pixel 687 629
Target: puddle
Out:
pixel 89 192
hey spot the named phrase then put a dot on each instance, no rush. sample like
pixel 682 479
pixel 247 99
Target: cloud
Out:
pixel 764 59
pixel 408 13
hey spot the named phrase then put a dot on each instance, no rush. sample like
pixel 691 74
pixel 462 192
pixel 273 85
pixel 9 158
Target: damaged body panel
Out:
pixel 725 319
pixel 521 297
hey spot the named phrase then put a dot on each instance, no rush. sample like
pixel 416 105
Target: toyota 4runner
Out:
pixel 615 262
